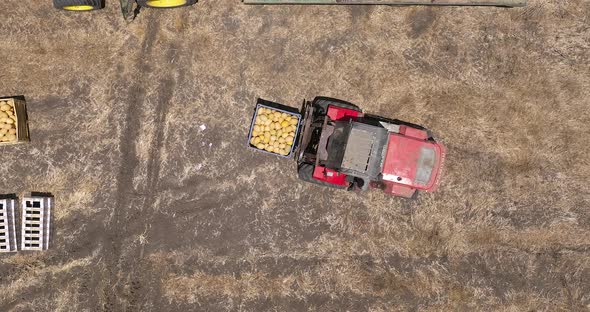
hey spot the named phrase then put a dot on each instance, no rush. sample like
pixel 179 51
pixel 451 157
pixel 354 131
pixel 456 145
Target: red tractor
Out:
pixel 341 147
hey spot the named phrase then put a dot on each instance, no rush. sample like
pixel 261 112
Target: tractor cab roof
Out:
pixel 413 162
pixel 356 149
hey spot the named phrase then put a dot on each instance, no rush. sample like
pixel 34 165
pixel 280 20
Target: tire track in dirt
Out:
pixel 134 208
pixel 150 291
pixel 165 94
pixel 125 195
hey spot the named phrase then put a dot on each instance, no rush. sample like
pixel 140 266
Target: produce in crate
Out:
pixel 274 131
pixel 14 127
pixel 7 122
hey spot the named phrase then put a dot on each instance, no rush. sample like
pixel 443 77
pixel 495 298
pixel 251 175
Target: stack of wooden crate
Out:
pixel 35 229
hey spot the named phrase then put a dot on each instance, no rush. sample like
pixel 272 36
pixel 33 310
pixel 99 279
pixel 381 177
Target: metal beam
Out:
pixel 506 3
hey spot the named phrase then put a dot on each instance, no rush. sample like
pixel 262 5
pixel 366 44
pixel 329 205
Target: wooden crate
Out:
pixel 278 108
pixel 22 122
pixel 36 222
pixel 8 225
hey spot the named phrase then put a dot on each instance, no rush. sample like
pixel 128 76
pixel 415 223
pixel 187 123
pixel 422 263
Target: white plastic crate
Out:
pixel 36 223
pixel 7 225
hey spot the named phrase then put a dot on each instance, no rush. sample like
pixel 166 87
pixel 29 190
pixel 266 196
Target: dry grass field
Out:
pixel 154 213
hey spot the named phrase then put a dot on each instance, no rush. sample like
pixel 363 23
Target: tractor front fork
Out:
pixel 130 9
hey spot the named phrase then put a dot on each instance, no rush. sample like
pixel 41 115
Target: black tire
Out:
pixel 148 4
pixel 305 173
pixel 322 103
pixel 67 4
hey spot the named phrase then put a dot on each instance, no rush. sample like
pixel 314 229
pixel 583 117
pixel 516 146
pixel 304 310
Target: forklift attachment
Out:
pixel 503 3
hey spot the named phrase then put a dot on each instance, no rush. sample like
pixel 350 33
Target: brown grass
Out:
pixel 155 214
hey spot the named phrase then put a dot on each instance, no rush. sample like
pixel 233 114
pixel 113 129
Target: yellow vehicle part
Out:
pixel 78 7
pixel 166 3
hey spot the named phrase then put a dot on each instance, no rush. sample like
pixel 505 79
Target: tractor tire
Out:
pixel 78 5
pixel 323 102
pixel 165 4
pixel 305 173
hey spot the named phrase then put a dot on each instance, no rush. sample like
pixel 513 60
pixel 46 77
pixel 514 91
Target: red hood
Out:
pixel 413 162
